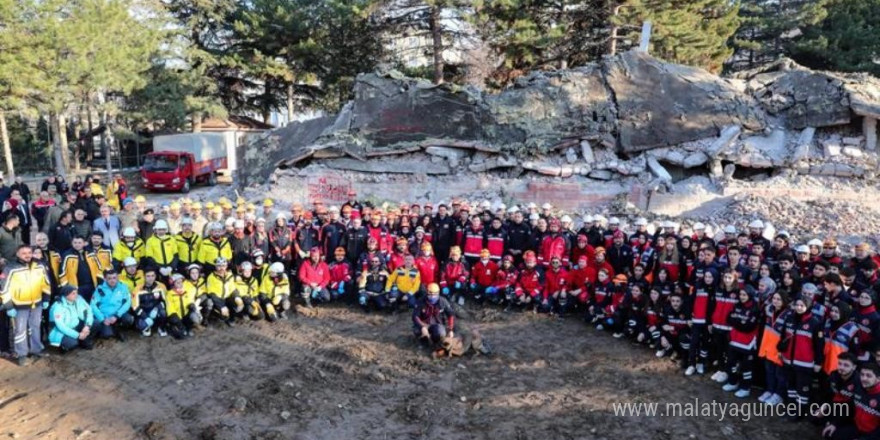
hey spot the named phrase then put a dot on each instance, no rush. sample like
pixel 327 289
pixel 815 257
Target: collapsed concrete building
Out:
pixel 629 127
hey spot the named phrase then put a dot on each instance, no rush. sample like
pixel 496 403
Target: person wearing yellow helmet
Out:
pixel 433 318
pixel 268 209
pixel 140 203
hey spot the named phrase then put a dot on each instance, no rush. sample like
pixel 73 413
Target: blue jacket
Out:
pixel 66 316
pixel 111 302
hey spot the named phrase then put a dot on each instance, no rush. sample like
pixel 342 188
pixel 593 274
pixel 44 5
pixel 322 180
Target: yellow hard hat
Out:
pixel 251 207
pixel 217 209
pixel 209 205
pixel 433 288
pixel 187 201
pixel 175 205
pixel 240 208
pixel 226 204
pixel 140 199
pixel 268 203
pixel 223 201
pixel 240 201
pixel 197 205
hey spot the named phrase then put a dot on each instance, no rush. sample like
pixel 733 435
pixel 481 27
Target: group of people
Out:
pixel 798 321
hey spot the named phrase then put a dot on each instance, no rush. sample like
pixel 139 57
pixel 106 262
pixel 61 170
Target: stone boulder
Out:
pixel 802 98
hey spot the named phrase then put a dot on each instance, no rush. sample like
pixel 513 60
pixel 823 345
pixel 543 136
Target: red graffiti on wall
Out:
pixel 328 189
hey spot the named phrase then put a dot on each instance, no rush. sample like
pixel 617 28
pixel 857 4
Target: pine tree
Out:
pixel 848 39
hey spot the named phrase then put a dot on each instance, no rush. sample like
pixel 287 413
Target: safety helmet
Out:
pixel 129 261
pixel 276 268
pixel 129 232
pixel 161 224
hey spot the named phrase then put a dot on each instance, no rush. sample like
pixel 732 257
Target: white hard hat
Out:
pixel 513 210
pixel 641 221
pixel 757 224
pixel 802 249
pixel 730 229
pixel 668 224
pixel 565 219
pixel 815 242
pixel 588 218
pixel 280 215
pixel 216 226
pixel 247 266
pixel 333 208
pixel 129 261
pixel 614 221
pixel 600 218
pixel 485 204
pixel 276 267
pixel 699 226
pixel 546 206
pixel 161 224
pixel 186 221
pixel 534 217
pixel 129 232
pixel 220 261
pixel 176 277
pixel 783 233
pixel 238 224
pixel 532 205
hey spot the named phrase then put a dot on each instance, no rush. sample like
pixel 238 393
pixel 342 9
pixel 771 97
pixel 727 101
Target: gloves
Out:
pixel 458 285
pixel 45 304
pixel 12 313
pixel 473 286
pixel 341 288
pixel 491 290
pixel 445 290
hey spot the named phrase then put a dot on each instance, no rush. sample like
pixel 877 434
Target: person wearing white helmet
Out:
pixel 220 288
pixel 148 305
pixel 546 210
pixel 247 291
pixel 756 229
pixel 815 246
pixel 161 249
pixel 130 246
pixel 699 230
pixel 533 219
pixel 642 240
pixel 608 233
pixel 130 275
pixel 181 308
pixel 566 227
pixel 275 292
pixel 188 243
pixel 216 244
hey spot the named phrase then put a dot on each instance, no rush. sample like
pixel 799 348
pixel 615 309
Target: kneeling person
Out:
pixel 433 318
pixel 180 302
pixel 110 305
pixel 72 321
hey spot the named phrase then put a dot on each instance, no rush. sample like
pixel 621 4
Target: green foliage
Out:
pixel 848 39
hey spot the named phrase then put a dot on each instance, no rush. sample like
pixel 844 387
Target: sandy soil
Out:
pixel 346 375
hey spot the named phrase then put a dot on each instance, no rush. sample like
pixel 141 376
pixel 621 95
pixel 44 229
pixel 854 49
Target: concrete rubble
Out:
pixel 629 126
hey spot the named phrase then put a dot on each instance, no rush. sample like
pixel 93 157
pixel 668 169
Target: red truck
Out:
pixel 180 161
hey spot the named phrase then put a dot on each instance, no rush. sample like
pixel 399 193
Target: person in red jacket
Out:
pixel 582 280
pixel 865 423
pixel 496 237
pixel 314 275
pixel 601 263
pixel 340 274
pixel 379 232
pixel 401 250
pixel 801 349
pixel 530 283
pixel 556 298
pixel 743 346
pixel 429 270
pixel 599 297
pixel 503 289
pixel 582 249
pixel 555 244
pixel 453 280
pixel 482 275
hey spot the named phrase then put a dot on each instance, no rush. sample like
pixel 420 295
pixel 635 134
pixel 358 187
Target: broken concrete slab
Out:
pixel 658 170
pixel 853 152
pixel 728 135
pixel 804 144
pixel 869 130
pixel 601 175
pixel 587 152
pixel 832 147
pixel 695 159
pixel 493 163
pixel 853 140
pixel 401 166
pixel 801 97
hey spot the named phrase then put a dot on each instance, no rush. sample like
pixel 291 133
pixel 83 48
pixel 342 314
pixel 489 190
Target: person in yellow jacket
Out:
pixel 130 246
pixel 404 282
pixel 161 249
pixel 195 282
pixel 112 197
pixel 247 292
pixel 220 287
pixel 86 280
pixel 132 277
pixel 149 308
pixel 188 243
pixel 102 252
pixel 180 305
pixel 275 292
pixel 216 245
pixel 25 293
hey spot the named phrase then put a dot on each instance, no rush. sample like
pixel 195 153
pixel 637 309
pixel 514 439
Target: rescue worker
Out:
pixel 371 286
pixel 161 250
pixel 182 313
pixel 194 282
pixel 404 283
pixel 149 307
pixel 247 290
pixel 433 319
pixel 102 252
pixel 314 275
pixel 130 246
pixel 110 306
pixel 340 274
pixel 132 277
pixel 219 286
pixel 25 293
pixel 80 269
pixel 188 243
pixel 454 277
pixel 275 292
pixel 72 322
pixel 214 246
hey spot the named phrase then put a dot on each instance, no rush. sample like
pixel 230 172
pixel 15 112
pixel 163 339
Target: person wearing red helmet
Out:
pixel 454 277
pixel 530 283
pixel 340 274
pixel 482 276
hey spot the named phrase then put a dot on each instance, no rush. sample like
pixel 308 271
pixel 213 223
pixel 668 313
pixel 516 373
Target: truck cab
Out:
pixel 167 170
pixel 182 160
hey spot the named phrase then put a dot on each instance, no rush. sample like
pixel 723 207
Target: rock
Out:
pixel 728 135
pixel 587 152
pixel 729 169
pixel 447 152
pixel 716 169
pixel 285 415
pixel 647 118
pixel 804 144
pixel 802 98
pixel 240 404
pixel 869 128
pixel 545 168
pixel 675 157
pixel 493 163
pixel 854 141
pixel 831 147
pixel 571 156
pixel 463 398
pixel 853 152
pixel 658 170
pixel 771 144
pixel 696 159
pixel 601 174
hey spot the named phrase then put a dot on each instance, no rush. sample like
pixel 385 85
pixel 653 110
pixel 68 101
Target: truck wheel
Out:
pixel 212 179
pixel 185 188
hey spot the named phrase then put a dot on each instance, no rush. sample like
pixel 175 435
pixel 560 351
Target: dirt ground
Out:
pixel 347 375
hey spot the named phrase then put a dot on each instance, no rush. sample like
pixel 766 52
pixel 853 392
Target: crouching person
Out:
pixel 110 305
pixel 433 319
pixel 247 291
pixel 275 292
pixel 340 275
pixel 219 287
pixel 180 303
pixel 674 334
pixel 72 321
pixel 148 306
pixel 530 283
pixel 371 286
pixel 315 277
pixel 403 284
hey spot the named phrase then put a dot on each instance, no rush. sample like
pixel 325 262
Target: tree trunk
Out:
pixel 77 146
pixel 7 148
pixel 437 44
pixel 90 152
pixel 612 38
pixel 106 135
pixel 59 141
pixel 290 103
pixel 197 122
pixel 267 109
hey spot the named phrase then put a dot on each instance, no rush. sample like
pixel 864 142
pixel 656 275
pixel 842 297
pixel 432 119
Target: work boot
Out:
pixel 22 361
pixel 119 336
